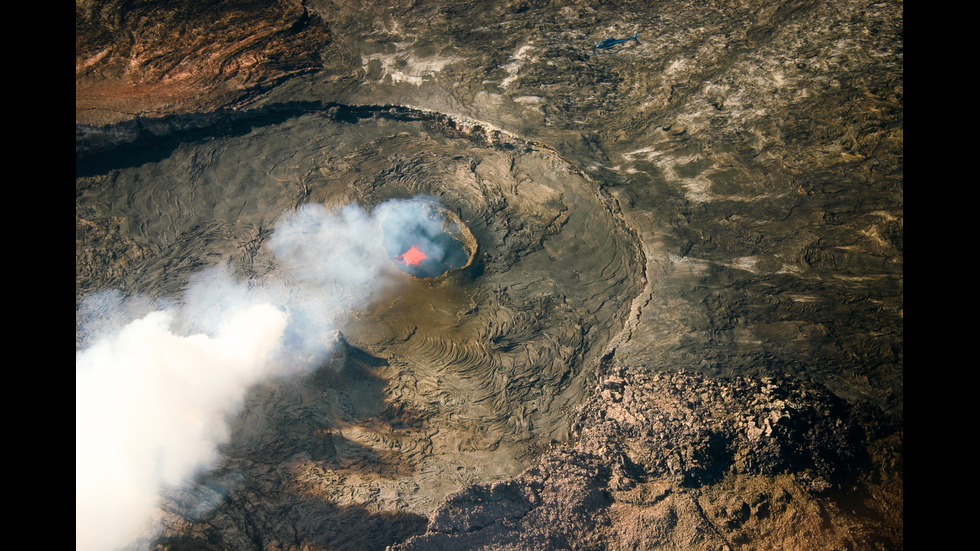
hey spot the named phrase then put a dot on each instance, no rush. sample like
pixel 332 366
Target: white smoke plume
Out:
pixel 154 390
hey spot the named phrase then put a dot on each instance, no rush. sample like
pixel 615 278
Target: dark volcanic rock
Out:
pixel 686 462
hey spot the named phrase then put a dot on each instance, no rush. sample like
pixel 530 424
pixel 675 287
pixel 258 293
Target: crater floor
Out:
pixel 435 383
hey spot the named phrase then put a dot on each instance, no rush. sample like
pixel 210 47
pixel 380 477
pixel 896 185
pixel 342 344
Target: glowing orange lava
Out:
pixel 412 257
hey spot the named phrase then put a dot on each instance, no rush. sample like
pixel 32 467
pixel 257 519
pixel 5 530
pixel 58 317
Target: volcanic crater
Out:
pixel 453 376
pixel 431 243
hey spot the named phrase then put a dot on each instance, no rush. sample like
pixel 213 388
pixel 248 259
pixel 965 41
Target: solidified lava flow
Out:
pixel 441 381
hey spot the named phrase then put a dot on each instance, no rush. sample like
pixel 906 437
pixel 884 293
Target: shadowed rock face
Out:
pixel 683 328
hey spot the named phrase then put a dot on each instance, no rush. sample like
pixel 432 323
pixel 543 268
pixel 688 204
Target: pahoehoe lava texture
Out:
pixel 751 153
pixel 438 383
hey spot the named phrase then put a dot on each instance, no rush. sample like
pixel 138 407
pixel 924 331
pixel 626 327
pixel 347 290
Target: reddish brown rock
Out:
pixel 153 57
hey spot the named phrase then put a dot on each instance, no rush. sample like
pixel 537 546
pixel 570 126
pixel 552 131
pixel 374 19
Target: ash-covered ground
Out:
pixel 682 328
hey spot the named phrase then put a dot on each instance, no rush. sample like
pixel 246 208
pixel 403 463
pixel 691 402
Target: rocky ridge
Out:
pixel 152 58
pixel 674 461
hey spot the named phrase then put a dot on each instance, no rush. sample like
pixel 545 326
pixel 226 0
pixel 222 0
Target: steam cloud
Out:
pixel 154 390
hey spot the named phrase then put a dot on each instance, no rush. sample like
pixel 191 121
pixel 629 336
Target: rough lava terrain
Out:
pixel 684 325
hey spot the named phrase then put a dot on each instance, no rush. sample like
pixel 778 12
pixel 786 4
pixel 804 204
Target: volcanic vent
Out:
pixel 427 240
pixel 448 380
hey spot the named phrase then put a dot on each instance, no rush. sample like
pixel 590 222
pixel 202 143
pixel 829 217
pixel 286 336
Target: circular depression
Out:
pixel 426 240
pixel 443 381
